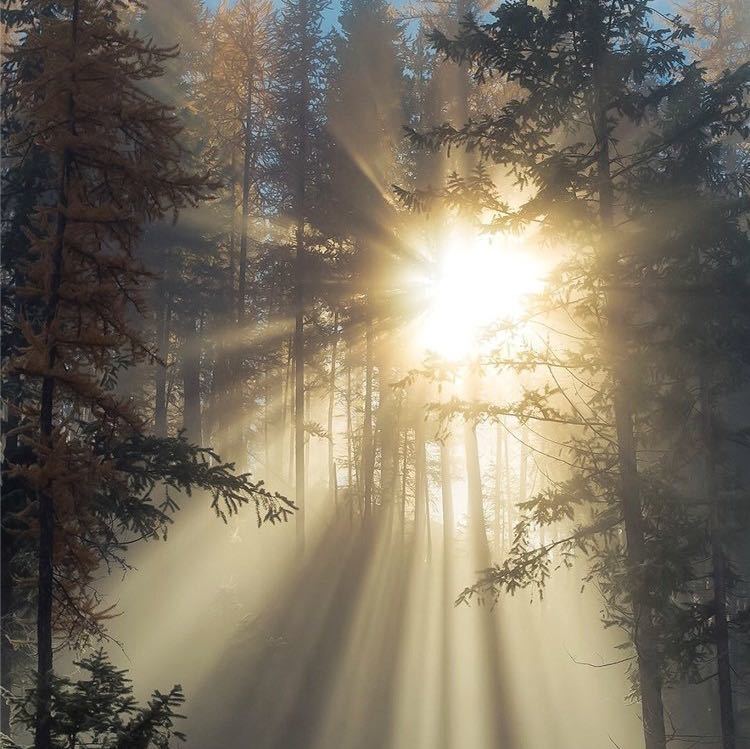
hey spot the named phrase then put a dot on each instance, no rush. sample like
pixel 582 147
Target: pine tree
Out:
pixel 690 207
pixel 234 86
pixel 303 58
pixel 588 72
pixel 366 128
pixel 99 710
pixel 114 152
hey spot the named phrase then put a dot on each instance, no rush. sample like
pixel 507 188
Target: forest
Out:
pixel 375 374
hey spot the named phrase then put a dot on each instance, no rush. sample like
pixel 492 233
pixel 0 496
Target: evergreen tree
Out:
pixel 99 710
pixel 303 57
pixel 588 72
pixel 115 160
pixel 689 207
pixel 365 115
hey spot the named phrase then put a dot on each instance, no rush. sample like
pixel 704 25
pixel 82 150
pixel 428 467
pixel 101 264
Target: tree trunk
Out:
pixel 478 530
pixel 447 679
pixel 509 504
pixel 719 571
pixel 368 462
pixel 388 431
pixel 428 517
pixel 523 466
pixel 191 391
pixel 404 478
pixel 43 719
pixel 163 321
pixel 299 397
pixel 420 477
pixel 333 490
pixel 349 438
pixel 299 319
pixel 242 279
pixel 644 636
pixel 288 409
pixel 499 527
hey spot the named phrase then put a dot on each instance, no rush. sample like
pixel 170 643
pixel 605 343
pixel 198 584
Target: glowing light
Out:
pixel 480 280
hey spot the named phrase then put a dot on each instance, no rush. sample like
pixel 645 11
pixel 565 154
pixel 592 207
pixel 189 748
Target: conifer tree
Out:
pixel 303 60
pixel 115 163
pixel 99 710
pixel 587 72
pixel 689 205
pixel 366 127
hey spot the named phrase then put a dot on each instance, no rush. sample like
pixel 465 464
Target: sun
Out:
pixel 477 281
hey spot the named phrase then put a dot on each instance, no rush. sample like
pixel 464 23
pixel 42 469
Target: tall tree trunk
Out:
pixel 428 516
pixel 288 409
pixel 447 677
pixel 644 635
pixel 719 570
pixel 523 466
pixel 420 477
pixel 333 489
pixel 404 480
pixel 478 530
pixel 246 169
pixel 299 397
pixel 43 719
pixel 446 488
pixel 368 462
pixel 299 318
pixel 163 322
pixel 349 438
pixel 191 390
pixel 388 431
pixel 492 672
pixel 499 526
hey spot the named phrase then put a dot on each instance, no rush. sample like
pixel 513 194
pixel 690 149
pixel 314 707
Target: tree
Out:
pixel 588 73
pixel 302 147
pixel 99 710
pixel 365 128
pixel 233 84
pixel 114 152
pixel 702 251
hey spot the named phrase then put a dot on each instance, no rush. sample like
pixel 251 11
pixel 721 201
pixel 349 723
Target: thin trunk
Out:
pixel 523 466
pixel 43 719
pixel 388 431
pixel 446 487
pixel 644 636
pixel 498 534
pixel 333 490
pixel 478 531
pixel 266 417
pixel 287 408
pixel 404 477
pixel 493 666
pixel 719 572
pixel 420 477
pixel 368 463
pixel 447 680
pixel 349 436
pixel 428 519
pixel 191 390
pixel 299 399
pixel 160 377
pixel 509 506
pixel 299 318
pixel 242 281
